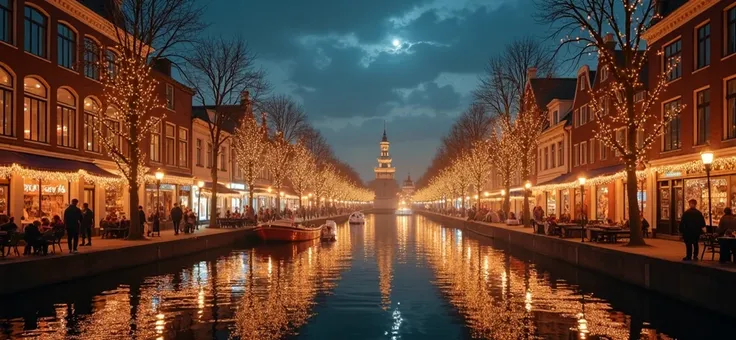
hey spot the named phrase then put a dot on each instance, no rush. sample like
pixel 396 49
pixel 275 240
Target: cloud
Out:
pixel 444 10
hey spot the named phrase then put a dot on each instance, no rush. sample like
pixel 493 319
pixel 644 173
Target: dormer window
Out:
pixel 581 80
pixel 555 117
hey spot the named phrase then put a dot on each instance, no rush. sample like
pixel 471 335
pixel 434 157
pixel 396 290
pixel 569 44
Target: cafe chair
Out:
pixel 13 243
pixel 710 243
pixel 56 241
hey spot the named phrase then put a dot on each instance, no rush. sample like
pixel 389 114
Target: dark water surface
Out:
pixel 397 277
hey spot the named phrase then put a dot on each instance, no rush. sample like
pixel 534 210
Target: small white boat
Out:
pixel 357 218
pixel 329 231
pixel 403 211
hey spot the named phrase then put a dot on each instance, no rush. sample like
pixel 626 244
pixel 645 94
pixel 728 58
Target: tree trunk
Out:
pixel 636 238
pixel 525 213
pixel 213 192
pixel 507 201
pixel 136 231
pixel 278 200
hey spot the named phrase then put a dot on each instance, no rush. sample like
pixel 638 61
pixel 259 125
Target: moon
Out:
pixel 396 43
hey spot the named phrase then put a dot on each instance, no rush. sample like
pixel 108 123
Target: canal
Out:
pixel 396 277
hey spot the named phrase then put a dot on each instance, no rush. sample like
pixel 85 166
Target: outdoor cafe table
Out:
pixel 567 229
pixel 606 234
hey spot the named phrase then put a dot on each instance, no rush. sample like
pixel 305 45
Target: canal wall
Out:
pixel 704 286
pixel 32 273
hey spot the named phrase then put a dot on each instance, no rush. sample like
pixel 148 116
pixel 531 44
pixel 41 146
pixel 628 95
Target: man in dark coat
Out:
pixel 691 226
pixel 88 221
pixel 72 221
pixel 176 216
pixel 142 219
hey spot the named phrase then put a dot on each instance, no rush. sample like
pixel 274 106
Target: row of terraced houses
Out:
pixel 701 34
pixel 50 93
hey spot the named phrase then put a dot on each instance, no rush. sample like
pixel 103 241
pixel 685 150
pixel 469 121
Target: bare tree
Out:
pixel 502 86
pixel 313 140
pixel 145 31
pixel 221 71
pixel 615 31
pixel 473 125
pixel 285 116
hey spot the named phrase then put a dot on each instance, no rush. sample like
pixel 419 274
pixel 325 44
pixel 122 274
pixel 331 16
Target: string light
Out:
pixel 249 142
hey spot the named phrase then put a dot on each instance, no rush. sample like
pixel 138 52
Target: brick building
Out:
pixel 50 93
pixel 702 34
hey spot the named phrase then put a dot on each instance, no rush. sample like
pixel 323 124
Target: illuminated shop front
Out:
pixel 164 193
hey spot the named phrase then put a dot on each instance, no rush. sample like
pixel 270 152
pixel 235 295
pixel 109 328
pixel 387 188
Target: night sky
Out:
pixel 355 63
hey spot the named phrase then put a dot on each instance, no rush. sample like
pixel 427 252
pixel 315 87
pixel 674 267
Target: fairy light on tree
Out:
pixel 525 131
pixel 250 142
pixel 615 31
pixel 504 156
pixel 303 168
pixel 278 157
pixel 478 162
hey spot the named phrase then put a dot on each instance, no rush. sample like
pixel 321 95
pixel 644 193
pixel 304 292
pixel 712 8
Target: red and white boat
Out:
pixel 286 231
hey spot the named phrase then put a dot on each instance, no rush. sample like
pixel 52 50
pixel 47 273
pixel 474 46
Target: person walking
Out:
pixel 176 216
pixel 88 220
pixel 691 227
pixel 142 219
pixel 72 221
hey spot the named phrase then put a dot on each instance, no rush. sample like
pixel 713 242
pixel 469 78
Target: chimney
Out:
pixel 245 103
pixel 163 65
pixel 531 73
pixel 609 42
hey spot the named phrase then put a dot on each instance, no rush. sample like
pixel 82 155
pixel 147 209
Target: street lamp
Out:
pixel 159 176
pixel 200 185
pixel 707 158
pixel 581 181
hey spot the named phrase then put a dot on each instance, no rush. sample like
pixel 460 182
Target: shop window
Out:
pixel 601 211
pixel 35 28
pixel 66 118
pixel 6 21
pixel 4 197
pixel 114 200
pixel 672 62
pixel 66 49
pixel 91 124
pixel 6 103
pixel 697 189
pixel 641 197
pixel 672 129
pixel 185 194
pixel 703 116
pixel 44 198
pixel 35 112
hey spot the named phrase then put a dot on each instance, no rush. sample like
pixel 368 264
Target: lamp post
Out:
pixel 581 181
pixel 159 176
pixel 200 185
pixel 527 191
pixel 707 158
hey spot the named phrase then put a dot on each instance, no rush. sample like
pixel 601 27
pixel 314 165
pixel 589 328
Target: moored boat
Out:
pixel 357 218
pixel 286 231
pixel 329 231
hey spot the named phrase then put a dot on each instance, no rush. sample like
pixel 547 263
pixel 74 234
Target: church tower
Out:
pixel 384 169
pixel 385 186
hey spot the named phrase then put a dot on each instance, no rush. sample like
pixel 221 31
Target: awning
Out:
pixel 571 177
pixel 47 163
pixel 221 189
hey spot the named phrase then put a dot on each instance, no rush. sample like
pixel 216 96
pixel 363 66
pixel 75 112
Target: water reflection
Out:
pixel 396 277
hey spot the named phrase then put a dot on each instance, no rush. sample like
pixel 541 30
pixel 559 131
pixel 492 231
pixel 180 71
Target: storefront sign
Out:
pixel 185 188
pixel 237 186
pixel 673 174
pixel 51 190
pixel 168 187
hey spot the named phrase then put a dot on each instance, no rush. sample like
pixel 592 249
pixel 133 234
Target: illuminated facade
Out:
pixel 385 186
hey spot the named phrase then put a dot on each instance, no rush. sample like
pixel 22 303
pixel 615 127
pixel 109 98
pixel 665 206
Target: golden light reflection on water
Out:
pixel 504 298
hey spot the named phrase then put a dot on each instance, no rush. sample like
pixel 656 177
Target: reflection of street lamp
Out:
pixel 581 181
pixel 707 158
pixel 159 176
pixel 200 185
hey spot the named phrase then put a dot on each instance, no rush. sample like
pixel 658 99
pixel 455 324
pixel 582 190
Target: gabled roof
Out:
pixel 236 113
pixel 547 89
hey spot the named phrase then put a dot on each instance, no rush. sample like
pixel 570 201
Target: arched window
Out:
pixel 91 122
pixel 91 59
pixel 66 118
pixel 112 63
pixel 34 34
pixel 66 51
pixel 6 103
pixel 35 110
